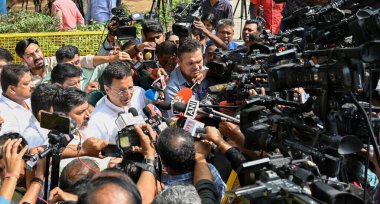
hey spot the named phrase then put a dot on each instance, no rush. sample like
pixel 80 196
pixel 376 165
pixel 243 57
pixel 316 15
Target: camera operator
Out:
pixel 213 39
pixel 220 8
pixel 16 177
pixel 121 95
pixel 14 105
pixel 177 151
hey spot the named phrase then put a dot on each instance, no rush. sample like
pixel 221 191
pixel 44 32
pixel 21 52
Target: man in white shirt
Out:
pixel 16 84
pixel 121 95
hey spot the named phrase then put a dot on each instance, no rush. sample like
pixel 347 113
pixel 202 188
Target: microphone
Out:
pixel 217 88
pixel 184 95
pixel 181 107
pixel 176 122
pixel 154 118
pixel 192 125
pixel 133 111
pixel 166 105
pixel 151 94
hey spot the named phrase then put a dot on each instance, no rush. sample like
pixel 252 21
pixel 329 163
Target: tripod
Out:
pixel 155 10
pixel 243 13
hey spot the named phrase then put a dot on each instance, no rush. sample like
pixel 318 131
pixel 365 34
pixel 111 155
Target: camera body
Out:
pixel 126 30
pixel 184 15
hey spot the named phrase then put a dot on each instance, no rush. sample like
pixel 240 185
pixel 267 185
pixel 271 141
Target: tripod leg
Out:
pixel 46 185
pixel 55 171
pixel 237 4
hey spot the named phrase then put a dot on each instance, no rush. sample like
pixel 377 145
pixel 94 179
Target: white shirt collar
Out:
pixel 10 103
pixel 114 107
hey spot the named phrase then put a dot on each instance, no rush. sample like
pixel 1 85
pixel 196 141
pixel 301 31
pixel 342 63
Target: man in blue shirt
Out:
pixel 190 66
pixel 3 7
pixel 99 11
pixel 177 151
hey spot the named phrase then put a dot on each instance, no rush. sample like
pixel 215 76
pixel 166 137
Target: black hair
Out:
pixel 62 71
pixel 151 26
pixel 210 17
pixel 196 32
pixel 129 43
pixel 42 98
pixel 168 34
pixel 11 135
pixel 166 48
pixel 68 98
pixel 189 45
pixel 117 70
pixel 75 175
pixel 12 74
pixel 251 21
pixel 6 55
pixel 67 51
pixel 179 156
pixel 94 185
pixel 23 44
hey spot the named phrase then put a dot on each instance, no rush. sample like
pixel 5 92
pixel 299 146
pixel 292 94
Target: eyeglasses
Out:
pixel 123 92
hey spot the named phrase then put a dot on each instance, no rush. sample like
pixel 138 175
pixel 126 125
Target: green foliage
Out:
pixel 28 22
pixel 169 13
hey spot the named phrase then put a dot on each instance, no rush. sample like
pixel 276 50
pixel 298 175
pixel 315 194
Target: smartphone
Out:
pixel 111 150
pixel 55 121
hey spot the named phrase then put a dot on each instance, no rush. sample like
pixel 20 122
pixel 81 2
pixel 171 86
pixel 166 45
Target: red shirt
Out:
pixel 272 14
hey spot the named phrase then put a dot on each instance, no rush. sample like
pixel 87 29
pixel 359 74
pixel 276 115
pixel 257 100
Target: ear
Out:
pixel 106 88
pixel 11 89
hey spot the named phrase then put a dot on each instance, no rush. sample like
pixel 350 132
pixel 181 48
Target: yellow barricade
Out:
pixel 86 41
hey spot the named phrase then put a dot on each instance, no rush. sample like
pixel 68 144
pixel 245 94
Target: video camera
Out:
pixel 184 15
pixel 126 29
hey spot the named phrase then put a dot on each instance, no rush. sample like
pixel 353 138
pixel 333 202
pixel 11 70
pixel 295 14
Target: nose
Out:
pixel 87 114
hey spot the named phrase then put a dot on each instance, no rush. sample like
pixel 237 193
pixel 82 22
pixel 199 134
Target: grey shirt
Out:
pixel 222 9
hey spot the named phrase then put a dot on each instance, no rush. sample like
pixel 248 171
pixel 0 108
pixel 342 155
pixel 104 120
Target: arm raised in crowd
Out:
pixel 90 147
pixel 203 180
pixel 37 179
pixel 233 154
pixel 147 184
pixel 217 41
pixel 13 163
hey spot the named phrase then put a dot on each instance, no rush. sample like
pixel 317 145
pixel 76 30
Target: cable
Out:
pixel 86 165
pixel 41 199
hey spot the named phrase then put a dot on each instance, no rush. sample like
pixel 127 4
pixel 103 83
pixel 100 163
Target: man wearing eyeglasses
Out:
pixel 121 95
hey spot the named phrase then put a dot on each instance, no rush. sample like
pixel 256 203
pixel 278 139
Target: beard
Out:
pixel 38 66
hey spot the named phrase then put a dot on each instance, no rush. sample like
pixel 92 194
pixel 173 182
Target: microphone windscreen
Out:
pixel 184 95
pixel 154 110
pixel 133 111
pixel 151 94
pixel 165 105
pixel 180 107
pixel 181 122
pixel 147 112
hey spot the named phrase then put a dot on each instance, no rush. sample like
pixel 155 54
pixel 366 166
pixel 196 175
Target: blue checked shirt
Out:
pixel 187 178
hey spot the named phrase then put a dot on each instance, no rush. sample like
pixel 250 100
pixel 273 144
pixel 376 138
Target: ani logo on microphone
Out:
pixel 191 109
